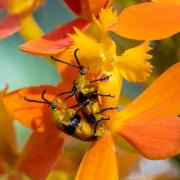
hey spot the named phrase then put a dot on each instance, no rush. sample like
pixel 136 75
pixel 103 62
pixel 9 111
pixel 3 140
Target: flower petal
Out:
pixel 148 21
pixel 154 139
pixel 107 17
pixel 33 115
pixel 8 26
pixel 86 9
pixel 162 98
pixel 89 50
pixel 40 154
pixel 167 1
pixel 100 161
pixel 8 145
pixel 54 42
pixel 133 64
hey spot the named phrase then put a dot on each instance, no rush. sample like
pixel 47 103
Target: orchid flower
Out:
pixel 150 123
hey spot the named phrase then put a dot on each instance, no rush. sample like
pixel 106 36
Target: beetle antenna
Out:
pixel 36 101
pixel 77 60
pixel 64 62
pixel 42 96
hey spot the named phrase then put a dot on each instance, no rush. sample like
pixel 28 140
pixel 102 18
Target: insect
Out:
pixel 86 93
pixel 69 121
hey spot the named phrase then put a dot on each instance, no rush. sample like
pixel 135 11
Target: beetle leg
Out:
pixel 106 109
pixel 103 78
pixel 73 92
pixel 104 95
pixel 76 105
pixel 83 105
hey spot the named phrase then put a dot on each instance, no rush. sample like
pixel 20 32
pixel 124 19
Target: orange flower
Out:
pixel 149 123
pixel 15 164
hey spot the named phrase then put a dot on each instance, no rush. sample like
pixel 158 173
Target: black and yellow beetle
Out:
pixel 69 121
pixel 86 94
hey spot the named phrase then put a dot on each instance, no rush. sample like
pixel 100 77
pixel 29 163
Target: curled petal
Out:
pixel 167 1
pixel 54 42
pixel 154 139
pixel 8 26
pixel 33 115
pixel 148 21
pixel 40 154
pixel 100 161
pixel 133 63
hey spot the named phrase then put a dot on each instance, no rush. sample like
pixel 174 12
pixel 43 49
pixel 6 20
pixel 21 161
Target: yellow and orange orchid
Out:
pixel 150 123
pixel 17 164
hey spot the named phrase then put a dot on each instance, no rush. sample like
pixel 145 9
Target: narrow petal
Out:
pixel 100 161
pixel 162 98
pixel 148 21
pixel 40 154
pixel 8 144
pixel 8 26
pixel 167 1
pixel 154 139
pixel 133 63
pixel 33 115
pixel 54 42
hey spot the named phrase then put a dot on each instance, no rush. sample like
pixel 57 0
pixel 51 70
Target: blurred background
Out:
pixel 18 70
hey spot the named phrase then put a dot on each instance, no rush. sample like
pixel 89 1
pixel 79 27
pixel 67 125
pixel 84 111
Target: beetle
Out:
pixel 86 93
pixel 69 121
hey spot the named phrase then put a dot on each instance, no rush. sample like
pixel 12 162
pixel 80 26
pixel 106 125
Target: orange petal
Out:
pixel 100 161
pixel 161 99
pixel 167 1
pixel 154 139
pixel 148 21
pixel 8 26
pixel 40 154
pixel 54 42
pixel 8 145
pixel 33 115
